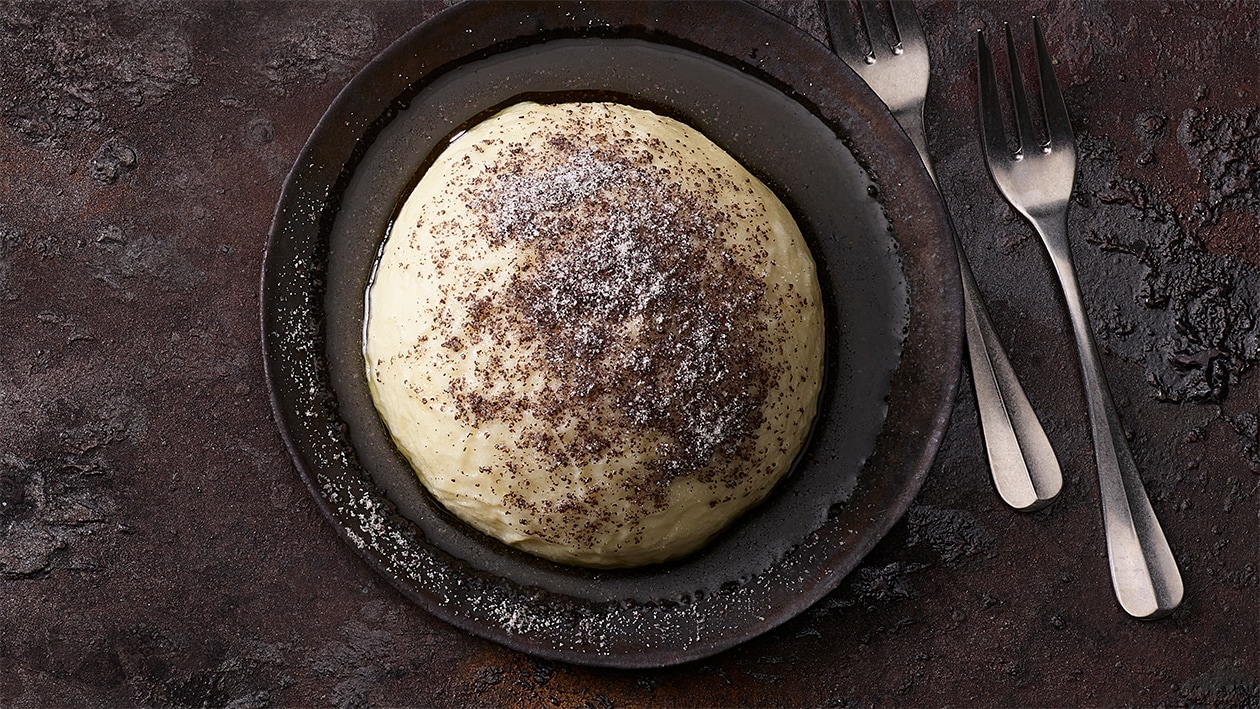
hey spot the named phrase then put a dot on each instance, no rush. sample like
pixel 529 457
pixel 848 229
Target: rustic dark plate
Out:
pixel 786 108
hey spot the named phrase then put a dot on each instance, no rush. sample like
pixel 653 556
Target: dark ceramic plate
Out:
pixel 786 108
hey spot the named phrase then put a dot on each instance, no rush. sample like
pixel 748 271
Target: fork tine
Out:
pixel 909 30
pixel 845 42
pixel 876 32
pixel 992 134
pixel 1024 134
pixel 1058 125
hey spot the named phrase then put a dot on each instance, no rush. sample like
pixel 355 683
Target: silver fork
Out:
pixel 1037 180
pixel 1025 470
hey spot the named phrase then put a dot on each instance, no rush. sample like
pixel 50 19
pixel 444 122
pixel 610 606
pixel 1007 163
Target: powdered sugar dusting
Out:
pixel 639 321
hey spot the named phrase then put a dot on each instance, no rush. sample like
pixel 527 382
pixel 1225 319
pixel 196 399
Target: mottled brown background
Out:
pixel 157 547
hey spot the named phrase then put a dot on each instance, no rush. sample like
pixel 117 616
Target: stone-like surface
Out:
pixel 157 547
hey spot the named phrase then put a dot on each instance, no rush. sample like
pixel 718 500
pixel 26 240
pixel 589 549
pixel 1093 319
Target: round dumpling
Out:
pixel 595 335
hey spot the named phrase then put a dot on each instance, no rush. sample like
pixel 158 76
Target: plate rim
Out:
pixel 906 445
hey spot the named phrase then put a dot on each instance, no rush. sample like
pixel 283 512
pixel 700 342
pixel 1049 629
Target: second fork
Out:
pixel 1037 179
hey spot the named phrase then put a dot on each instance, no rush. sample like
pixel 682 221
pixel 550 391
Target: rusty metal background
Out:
pixel 156 547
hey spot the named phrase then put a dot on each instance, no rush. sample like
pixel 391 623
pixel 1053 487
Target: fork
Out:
pixel 1025 470
pixel 1037 180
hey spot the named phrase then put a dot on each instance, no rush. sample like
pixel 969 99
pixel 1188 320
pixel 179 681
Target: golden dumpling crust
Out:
pixel 594 335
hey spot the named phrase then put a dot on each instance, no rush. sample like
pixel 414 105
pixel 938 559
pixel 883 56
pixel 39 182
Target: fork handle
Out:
pixel 1023 464
pixel 910 118
pixel 1143 571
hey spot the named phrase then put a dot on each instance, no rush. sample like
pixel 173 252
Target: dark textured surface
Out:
pixel 156 546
